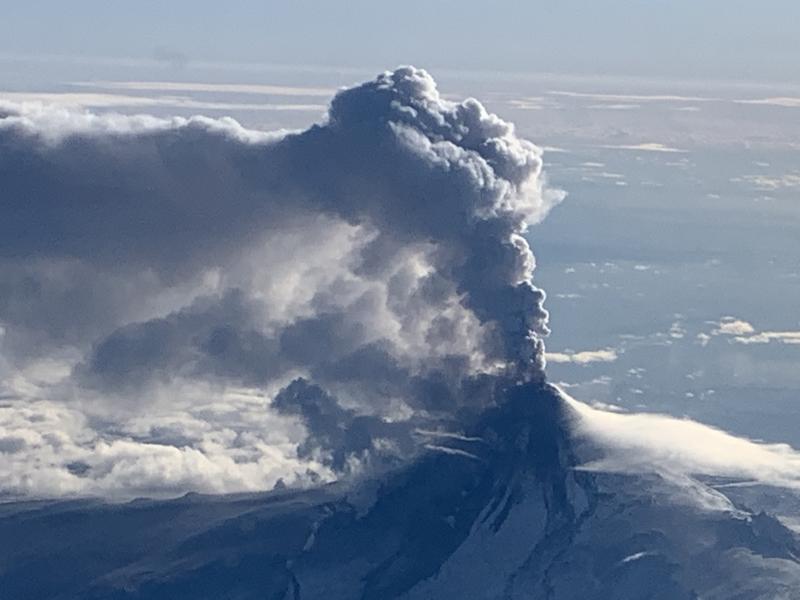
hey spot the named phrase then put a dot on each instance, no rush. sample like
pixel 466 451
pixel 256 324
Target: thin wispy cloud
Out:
pixel 632 98
pixel 644 147
pixel 219 88
pixel 779 101
pixel 584 357
pixel 102 100
pixel 770 183
pixel 681 449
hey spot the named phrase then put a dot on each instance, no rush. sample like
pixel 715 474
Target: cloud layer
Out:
pixel 681 450
pixel 187 304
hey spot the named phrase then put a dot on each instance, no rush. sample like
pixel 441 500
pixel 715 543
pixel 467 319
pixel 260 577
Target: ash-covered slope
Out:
pixel 500 513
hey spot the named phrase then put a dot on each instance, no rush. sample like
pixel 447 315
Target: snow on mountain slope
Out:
pixel 500 513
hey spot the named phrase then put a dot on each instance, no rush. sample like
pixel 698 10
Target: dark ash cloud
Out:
pixel 361 276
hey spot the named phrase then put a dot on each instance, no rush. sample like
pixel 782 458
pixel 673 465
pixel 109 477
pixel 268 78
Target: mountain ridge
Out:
pixel 500 513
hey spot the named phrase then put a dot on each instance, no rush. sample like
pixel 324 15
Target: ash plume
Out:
pixel 268 303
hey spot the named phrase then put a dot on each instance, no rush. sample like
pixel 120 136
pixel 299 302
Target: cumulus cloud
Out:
pixel 743 332
pixel 51 448
pixel 733 326
pixel 358 280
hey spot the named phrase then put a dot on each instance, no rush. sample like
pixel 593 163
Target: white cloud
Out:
pixel 765 337
pixel 222 88
pixel 63 455
pixel 555 150
pixel 584 357
pixel 781 101
pixel 770 183
pixel 614 106
pixel 744 333
pixel 643 147
pixel 98 100
pixel 681 449
pixel 616 98
pixel 537 103
pixel 733 326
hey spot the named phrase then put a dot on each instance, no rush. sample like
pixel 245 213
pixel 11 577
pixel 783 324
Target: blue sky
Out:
pixel 729 39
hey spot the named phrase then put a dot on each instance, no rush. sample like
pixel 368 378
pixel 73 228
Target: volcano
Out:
pixel 502 512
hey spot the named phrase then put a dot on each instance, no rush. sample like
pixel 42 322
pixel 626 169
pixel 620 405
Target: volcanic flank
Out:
pixel 497 513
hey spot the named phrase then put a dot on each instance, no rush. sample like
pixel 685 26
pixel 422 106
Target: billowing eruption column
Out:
pixel 367 276
pixel 450 173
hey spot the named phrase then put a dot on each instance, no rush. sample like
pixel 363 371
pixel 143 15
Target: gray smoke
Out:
pixel 364 276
